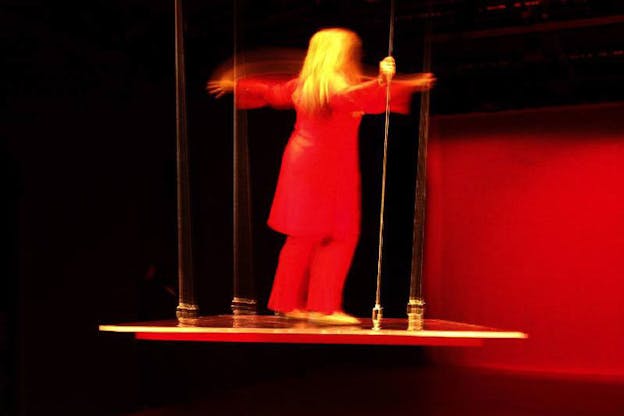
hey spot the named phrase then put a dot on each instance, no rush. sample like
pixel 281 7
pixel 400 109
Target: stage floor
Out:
pixel 276 329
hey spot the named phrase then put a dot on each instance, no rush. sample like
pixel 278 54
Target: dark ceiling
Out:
pixel 487 54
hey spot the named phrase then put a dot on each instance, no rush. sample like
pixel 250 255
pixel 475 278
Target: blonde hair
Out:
pixel 331 64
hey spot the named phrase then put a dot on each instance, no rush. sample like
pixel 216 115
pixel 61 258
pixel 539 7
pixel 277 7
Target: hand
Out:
pixel 220 87
pixel 423 81
pixel 387 68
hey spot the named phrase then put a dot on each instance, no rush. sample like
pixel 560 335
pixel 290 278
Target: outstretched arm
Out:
pixel 255 92
pixel 418 82
pixel 370 97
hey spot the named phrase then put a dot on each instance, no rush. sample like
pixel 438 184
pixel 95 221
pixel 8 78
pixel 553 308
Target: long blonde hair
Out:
pixel 331 64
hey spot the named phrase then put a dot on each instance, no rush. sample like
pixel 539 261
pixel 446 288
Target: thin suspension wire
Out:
pixel 384 164
pixel 391 31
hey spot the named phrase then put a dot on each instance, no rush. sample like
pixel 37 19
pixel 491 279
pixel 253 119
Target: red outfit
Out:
pixel 317 200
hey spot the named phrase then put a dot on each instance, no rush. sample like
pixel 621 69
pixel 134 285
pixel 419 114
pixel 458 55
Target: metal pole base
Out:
pixel 244 306
pixel 377 317
pixel 415 314
pixel 187 314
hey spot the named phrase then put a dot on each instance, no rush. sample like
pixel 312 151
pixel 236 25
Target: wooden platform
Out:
pixel 275 329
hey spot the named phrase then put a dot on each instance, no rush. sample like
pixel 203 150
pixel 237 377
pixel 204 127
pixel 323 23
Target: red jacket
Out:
pixel 318 190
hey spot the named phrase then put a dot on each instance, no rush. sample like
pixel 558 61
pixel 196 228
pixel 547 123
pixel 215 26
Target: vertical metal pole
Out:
pixel 243 299
pixel 416 303
pixel 187 308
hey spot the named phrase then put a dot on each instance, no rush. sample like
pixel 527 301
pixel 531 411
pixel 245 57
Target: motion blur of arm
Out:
pixel 255 92
pixel 370 96
pixel 259 78
pixel 418 82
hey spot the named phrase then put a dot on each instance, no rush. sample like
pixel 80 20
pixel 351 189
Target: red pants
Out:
pixel 311 274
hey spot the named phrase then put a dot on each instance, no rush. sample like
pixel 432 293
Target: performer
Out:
pixel 317 200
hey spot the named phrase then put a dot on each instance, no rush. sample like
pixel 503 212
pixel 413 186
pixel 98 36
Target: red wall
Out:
pixel 525 231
